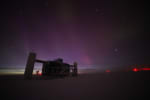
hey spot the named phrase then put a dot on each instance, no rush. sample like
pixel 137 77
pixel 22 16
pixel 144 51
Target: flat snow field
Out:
pixel 94 86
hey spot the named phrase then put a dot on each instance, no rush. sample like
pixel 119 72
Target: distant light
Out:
pixel 108 71
pixel 135 69
pixel 140 69
pixel 145 69
pixel 40 73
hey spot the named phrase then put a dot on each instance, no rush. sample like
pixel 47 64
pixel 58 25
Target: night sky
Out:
pixel 102 33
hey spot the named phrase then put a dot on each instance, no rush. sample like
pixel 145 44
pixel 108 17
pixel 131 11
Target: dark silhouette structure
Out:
pixel 50 68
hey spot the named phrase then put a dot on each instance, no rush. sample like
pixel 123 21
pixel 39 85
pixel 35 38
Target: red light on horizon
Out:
pixel 145 69
pixel 40 73
pixel 108 71
pixel 135 69
pixel 140 69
